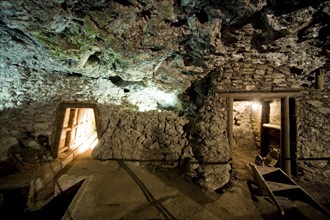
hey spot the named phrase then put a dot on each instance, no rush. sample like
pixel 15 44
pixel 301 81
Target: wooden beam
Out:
pixel 259 95
pixel 285 136
pixel 230 121
pixel 264 136
pixel 320 79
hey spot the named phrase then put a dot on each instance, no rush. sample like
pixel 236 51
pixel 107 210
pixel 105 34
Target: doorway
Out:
pixel 246 129
pixel 76 129
pixel 279 131
pixel 246 135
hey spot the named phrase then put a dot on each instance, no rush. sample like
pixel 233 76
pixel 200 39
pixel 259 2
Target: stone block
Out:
pixel 260 72
pixel 250 87
pixel 262 67
pixel 247 71
pixel 324 110
pixel 315 103
pixel 6 142
pixel 214 177
pixel 278 80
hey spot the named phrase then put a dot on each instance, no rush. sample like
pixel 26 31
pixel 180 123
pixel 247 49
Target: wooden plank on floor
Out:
pixel 276 186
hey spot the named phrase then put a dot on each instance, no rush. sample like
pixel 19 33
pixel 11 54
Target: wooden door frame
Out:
pixel 60 115
pixel 284 96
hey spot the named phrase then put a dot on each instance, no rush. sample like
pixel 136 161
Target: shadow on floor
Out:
pixel 54 210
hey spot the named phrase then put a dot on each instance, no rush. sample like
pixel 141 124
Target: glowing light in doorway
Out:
pixel 90 143
pixel 256 106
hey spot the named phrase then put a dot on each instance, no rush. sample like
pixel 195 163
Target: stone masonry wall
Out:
pixel 29 101
pixel 210 132
pixel 312 108
pixel 151 136
pixel 314 133
pixel 245 76
pixel 209 138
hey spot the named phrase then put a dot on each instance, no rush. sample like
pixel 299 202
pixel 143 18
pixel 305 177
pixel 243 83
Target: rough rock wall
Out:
pixel 253 45
pixel 29 99
pixel 209 135
pixel 115 38
pixel 127 134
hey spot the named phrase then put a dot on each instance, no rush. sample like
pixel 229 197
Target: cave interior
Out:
pixel 188 92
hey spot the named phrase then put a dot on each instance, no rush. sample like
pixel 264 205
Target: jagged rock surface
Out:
pixel 169 43
pixel 165 55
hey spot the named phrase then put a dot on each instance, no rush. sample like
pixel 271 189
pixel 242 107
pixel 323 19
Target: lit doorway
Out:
pixel 76 129
pixel 246 130
pixel 287 128
pixel 256 129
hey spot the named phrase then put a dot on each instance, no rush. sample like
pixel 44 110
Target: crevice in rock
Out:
pixel 118 81
pixel 145 14
pixel 196 46
pixel 94 58
pixel 195 96
pixel 202 16
pixel 106 128
pixel 19 35
pixel 98 25
pixel 296 71
pixel 179 23
pixel 125 2
pixel 74 75
pixel 287 6
pixel 83 8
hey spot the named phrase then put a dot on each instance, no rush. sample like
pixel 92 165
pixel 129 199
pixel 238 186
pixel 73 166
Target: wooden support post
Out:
pixel 320 79
pixel 264 136
pixel 285 136
pixel 230 121
pixel 293 136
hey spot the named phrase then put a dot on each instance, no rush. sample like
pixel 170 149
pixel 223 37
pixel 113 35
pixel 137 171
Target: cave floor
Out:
pixel 116 190
pixel 127 190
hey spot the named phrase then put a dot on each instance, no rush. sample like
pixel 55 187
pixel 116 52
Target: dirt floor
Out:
pixel 127 190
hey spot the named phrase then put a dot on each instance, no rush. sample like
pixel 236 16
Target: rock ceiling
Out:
pixel 163 44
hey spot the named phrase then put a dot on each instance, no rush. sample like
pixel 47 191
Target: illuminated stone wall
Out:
pixel 246 126
pixel 275 112
pixel 154 137
pixel 29 101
